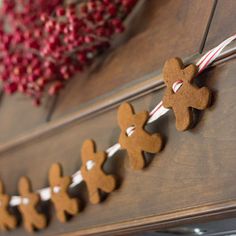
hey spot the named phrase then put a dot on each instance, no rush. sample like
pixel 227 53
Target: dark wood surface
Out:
pixel 222 25
pixel 193 174
pixel 191 180
pixel 18 115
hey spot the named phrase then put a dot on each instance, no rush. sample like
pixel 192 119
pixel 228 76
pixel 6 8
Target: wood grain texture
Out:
pixel 18 115
pixel 159 30
pixel 223 23
pixel 193 177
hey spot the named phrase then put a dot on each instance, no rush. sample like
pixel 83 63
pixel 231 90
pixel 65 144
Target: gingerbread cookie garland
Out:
pixel 92 171
pixel 7 220
pixel 32 219
pixel 132 136
pixel 59 185
pixel 188 96
pixel 139 141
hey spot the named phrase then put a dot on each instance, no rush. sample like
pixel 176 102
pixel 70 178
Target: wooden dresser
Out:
pixel 191 183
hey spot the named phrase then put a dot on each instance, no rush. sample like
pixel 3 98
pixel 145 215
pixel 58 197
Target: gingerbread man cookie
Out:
pixel 140 140
pixel 59 185
pixel 187 97
pixel 29 200
pixel 92 171
pixel 7 220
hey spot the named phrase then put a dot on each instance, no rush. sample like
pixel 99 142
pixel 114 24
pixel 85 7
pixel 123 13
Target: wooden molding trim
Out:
pixel 168 220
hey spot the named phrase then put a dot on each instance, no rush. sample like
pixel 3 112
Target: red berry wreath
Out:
pixel 44 42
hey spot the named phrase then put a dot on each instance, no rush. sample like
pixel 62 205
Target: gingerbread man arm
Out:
pixel 167 99
pixel 141 118
pixel 65 182
pixel 201 98
pixel 152 143
pixel 87 150
pixel 189 72
pixel 101 158
pixel 34 198
pixel 172 71
pixel 125 116
pixel 54 174
pixel 24 186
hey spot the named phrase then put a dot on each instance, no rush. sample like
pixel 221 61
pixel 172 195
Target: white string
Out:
pixel 158 111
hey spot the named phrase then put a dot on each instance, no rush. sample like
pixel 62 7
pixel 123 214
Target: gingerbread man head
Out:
pixel 174 70
pixel 56 178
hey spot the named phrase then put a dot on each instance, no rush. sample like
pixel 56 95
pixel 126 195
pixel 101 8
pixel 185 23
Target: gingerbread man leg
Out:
pixel 108 183
pixel 136 158
pixel 7 222
pixel 2 225
pixel 11 222
pixel 40 223
pixel 72 206
pixel 28 225
pixel 183 117
pixel 61 215
pixel 93 194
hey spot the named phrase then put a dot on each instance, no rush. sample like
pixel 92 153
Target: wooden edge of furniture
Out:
pixel 183 217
